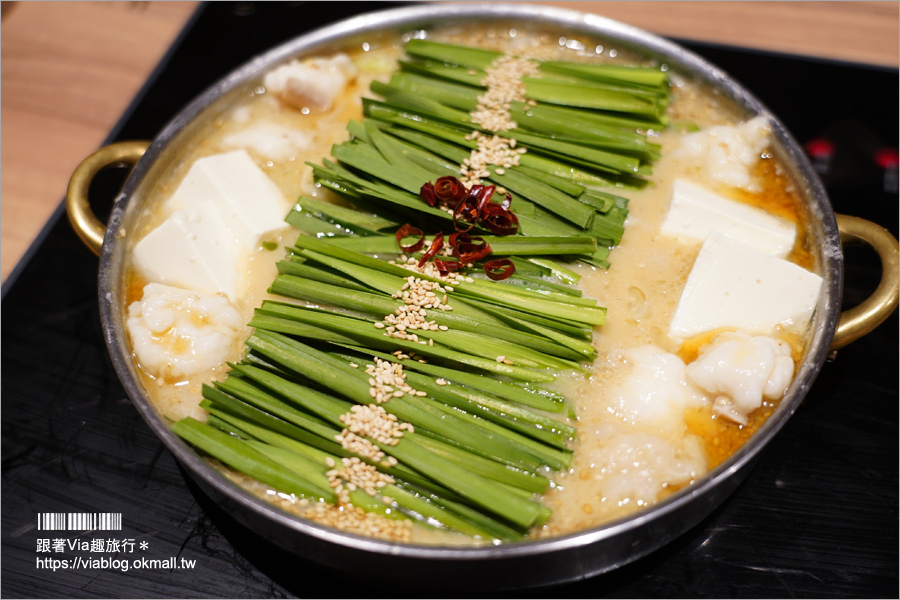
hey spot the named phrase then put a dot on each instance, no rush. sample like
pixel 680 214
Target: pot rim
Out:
pixel 429 16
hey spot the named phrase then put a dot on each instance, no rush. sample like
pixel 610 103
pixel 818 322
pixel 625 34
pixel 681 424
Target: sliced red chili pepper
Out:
pixel 457 237
pixel 445 266
pixel 427 194
pixel 483 194
pixel 475 255
pixel 465 213
pixel 435 247
pixel 461 237
pixel 499 269
pixel 470 249
pixel 471 206
pixel 410 231
pixel 449 191
pixel 499 220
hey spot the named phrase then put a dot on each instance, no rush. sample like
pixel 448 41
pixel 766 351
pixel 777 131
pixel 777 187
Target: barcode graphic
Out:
pixel 79 521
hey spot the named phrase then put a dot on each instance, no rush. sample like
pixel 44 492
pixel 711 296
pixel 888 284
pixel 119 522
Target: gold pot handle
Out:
pixel 860 320
pixel 86 224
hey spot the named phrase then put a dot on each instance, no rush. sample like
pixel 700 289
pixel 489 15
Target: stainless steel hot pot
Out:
pixel 532 563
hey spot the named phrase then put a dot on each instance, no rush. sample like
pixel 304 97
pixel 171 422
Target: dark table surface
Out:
pixel 817 517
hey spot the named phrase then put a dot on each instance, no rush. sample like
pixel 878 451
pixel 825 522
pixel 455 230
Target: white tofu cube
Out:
pixel 695 211
pixel 192 249
pixel 251 205
pixel 735 286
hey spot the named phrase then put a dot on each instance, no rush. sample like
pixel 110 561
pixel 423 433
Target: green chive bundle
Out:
pixel 583 129
pixel 485 431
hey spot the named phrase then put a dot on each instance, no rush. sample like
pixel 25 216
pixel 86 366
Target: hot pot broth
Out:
pixel 630 451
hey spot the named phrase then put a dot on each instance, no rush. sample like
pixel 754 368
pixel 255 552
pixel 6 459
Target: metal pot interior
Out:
pixel 573 556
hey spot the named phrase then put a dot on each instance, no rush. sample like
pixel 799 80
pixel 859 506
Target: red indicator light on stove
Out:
pixel 820 152
pixel 819 148
pixel 887 158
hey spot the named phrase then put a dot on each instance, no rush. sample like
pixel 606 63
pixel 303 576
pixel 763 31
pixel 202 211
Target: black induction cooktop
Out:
pixel 817 517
